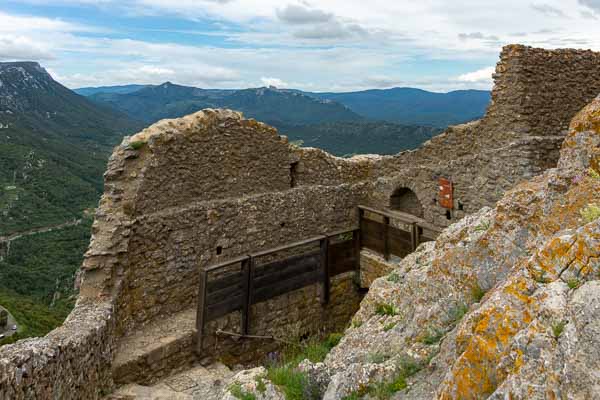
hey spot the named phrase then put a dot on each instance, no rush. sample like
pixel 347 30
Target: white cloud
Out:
pixel 483 75
pixel 19 48
pixel 274 82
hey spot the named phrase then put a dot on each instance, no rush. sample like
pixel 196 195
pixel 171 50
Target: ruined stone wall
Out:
pixel 182 191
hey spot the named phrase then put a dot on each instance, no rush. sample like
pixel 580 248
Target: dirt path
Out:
pixel 6 240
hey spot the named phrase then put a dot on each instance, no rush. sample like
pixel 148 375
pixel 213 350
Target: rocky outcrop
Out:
pixel 505 304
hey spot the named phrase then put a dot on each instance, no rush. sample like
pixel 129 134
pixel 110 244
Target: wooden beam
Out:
pixel 201 311
pixel 357 246
pixel 324 243
pixel 386 238
pixel 247 266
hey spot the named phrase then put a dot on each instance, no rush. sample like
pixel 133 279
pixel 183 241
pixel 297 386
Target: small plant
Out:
pixel 593 173
pixel 237 392
pixel 260 384
pixel 356 323
pixel 483 226
pixel 432 336
pixel 540 277
pixel 377 358
pixel 137 145
pixel 457 312
pixel 389 327
pixel 386 309
pixel 590 213
pixel 333 340
pixel 558 329
pixel 393 277
pixel 573 283
pixel 477 293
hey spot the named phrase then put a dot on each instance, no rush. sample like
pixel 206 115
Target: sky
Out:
pixel 326 45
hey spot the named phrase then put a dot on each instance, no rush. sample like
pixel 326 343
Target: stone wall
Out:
pixel 182 191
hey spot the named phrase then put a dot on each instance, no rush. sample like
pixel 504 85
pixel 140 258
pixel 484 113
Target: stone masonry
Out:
pixel 187 193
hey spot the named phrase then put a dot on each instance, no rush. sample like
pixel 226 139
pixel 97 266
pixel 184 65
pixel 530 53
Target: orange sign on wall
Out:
pixel 446 199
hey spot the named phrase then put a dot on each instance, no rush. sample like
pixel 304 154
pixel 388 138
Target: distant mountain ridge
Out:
pixel 121 89
pixel 406 106
pixel 270 105
pixel 415 106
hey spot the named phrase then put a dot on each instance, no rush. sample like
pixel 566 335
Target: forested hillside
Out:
pixel 54 145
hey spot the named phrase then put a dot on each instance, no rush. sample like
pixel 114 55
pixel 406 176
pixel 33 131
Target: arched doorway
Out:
pixel 405 200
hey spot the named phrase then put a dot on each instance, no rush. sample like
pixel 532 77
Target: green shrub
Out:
pixel 260 384
pixel 573 283
pixel 294 384
pixel 377 358
pixel 333 340
pixel 237 392
pixel 477 293
pixel 137 145
pixel 590 213
pixel 393 277
pixel 386 309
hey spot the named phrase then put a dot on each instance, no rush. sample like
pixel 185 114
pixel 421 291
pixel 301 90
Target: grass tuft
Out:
pixel 477 292
pixel 558 329
pixel 239 393
pixel 573 283
pixel 389 327
pixel 457 312
pixel 386 309
pixel 137 145
pixel 433 336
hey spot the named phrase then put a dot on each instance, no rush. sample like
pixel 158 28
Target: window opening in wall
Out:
pixel 461 206
pixel 219 250
pixel 282 224
pixel 448 214
pixel 293 174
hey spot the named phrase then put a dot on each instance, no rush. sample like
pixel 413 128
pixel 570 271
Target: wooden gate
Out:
pixel 393 232
pixel 236 284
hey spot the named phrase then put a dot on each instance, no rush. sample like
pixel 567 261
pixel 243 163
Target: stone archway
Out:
pixel 405 200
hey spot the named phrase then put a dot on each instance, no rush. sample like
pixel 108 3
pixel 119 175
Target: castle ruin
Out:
pixel 189 193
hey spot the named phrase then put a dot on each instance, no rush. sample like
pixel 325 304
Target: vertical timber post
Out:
pixel 414 233
pixel 201 311
pixel 357 247
pixel 247 267
pixel 324 244
pixel 386 238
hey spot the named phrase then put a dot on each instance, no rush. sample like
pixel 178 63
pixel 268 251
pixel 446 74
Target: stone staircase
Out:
pixel 197 383
pixel 158 350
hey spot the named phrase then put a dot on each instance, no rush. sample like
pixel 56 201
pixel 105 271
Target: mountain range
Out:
pixel 406 106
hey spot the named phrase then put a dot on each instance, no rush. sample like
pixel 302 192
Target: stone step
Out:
pixel 197 383
pixel 156 351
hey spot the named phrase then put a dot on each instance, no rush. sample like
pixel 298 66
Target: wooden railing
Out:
pixel 236 284
pixel 400 239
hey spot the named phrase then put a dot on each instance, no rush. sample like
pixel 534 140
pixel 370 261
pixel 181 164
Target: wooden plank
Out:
pixel 279 288
pixel 324 270
pixel 232 279
pixel 286 247
pixel 226 263
pixel 225 293
pixel 201 312
pixel 247 284
pixel 223 308
pixel 285 269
